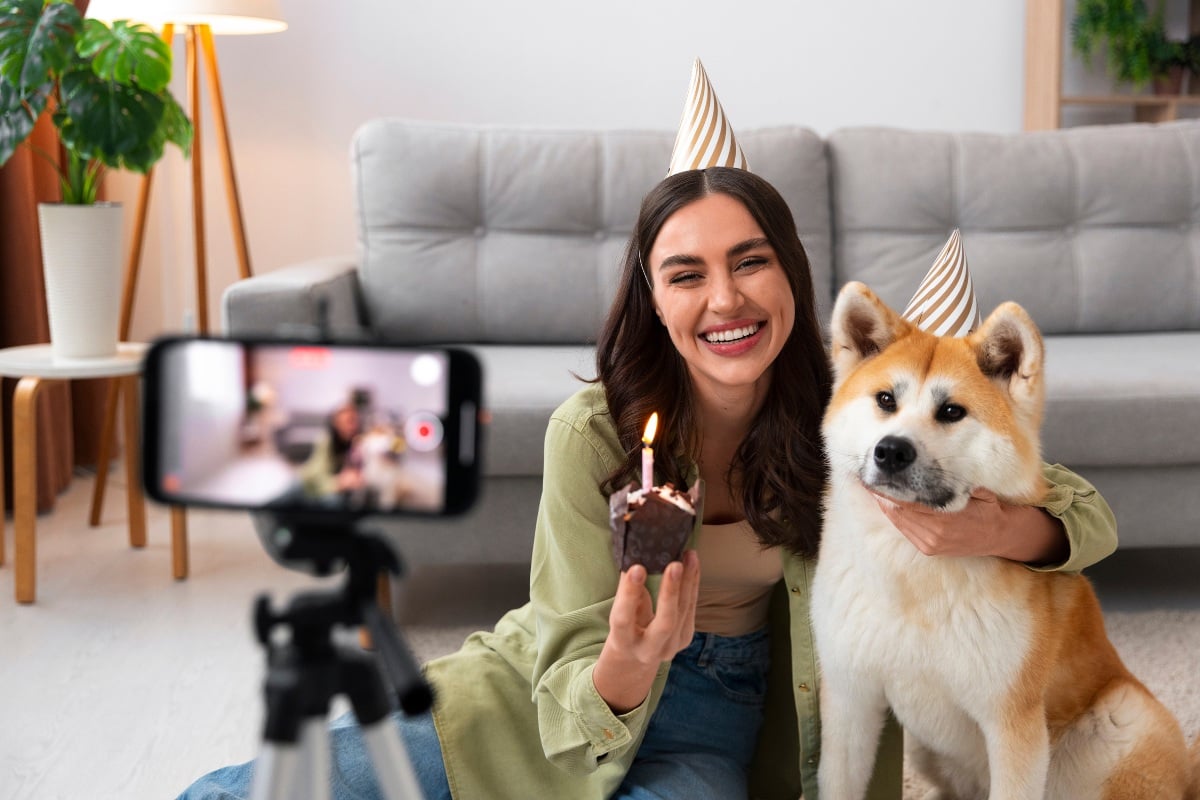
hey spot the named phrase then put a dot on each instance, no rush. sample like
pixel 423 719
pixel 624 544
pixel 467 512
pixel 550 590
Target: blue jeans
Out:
pixel 698 743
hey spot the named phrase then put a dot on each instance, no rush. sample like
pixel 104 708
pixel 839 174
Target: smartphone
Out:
pixel 294 427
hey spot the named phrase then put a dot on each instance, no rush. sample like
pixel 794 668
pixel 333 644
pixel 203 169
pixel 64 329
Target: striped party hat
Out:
pixel 945 304
pixel 705 137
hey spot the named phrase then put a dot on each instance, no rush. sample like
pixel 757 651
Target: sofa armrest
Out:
pixel 287 301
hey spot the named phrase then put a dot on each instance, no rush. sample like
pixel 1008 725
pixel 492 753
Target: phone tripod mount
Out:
pixel 307 668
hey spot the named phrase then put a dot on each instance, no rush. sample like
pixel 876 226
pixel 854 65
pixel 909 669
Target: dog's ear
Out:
pixel 862 327
pixel 1008 348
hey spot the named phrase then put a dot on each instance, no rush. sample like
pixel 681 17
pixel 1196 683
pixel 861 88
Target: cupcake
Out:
pixel 652 527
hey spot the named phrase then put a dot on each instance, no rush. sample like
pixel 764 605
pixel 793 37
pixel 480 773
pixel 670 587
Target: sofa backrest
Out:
pixel 1090 229
pixel 503 235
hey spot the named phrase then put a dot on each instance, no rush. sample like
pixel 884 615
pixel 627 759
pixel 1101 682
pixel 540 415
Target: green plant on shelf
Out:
pixel 1138 49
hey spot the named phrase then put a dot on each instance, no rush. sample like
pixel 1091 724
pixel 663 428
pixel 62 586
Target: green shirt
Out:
pixel 516 711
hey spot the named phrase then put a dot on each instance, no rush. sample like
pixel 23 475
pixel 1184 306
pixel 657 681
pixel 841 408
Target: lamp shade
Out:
pixel 223 16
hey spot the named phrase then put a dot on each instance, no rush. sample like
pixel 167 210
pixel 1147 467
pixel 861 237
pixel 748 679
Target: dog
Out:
pixel 1002 676
pixel 381 451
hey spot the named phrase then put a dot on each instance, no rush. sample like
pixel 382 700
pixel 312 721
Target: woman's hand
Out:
pixel 641 636
pixel 985 527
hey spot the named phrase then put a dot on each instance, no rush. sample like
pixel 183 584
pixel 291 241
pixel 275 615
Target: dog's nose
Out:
pixel 893 454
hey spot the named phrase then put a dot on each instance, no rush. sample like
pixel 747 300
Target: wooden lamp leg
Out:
pixel 221 128
pixel 128 292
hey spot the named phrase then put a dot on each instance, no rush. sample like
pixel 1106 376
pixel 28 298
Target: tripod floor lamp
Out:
pixel 201 20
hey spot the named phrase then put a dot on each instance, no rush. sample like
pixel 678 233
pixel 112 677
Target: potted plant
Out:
pixel 106 90
pixel 1192 57
pixel 1138 48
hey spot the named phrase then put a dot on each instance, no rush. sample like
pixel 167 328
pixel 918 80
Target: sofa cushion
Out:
pixel 494 235
pixel 523 385
pixel 1123 400
pixel 1092 230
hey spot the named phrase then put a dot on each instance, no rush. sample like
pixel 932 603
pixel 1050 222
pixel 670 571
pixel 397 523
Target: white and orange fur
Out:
pixel 1002 676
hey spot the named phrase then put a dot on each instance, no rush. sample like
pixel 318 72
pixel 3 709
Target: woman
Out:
pixel 332 471
pixel 696 685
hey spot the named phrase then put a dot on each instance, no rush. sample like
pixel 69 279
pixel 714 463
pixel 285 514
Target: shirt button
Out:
pixel 804 687
pixel 812 761
pixel 608 734
pixel 795 590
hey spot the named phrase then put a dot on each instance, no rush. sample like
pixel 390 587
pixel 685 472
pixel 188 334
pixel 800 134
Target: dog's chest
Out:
pixel 928 630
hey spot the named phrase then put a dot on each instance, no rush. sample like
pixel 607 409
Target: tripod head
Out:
pixel 327 545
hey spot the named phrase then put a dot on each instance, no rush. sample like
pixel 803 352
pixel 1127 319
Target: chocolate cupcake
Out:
pixel 652 528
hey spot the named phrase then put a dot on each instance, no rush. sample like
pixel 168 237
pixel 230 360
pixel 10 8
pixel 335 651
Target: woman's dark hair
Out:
pixel 781 463
pixel 339 446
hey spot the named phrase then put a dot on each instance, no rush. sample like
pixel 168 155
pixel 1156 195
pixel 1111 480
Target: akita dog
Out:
pixel 1002 677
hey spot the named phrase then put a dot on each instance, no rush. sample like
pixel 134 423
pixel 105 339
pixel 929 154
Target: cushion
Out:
pixel 499 235
pixel 1092 230
pixel 1122 400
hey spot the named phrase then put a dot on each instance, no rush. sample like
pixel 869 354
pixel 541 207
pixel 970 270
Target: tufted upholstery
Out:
pixel 1093 230
pixel 493 235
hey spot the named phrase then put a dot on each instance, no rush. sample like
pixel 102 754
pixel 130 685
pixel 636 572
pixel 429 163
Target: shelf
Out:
pixel 1132 100
pixel 1046 44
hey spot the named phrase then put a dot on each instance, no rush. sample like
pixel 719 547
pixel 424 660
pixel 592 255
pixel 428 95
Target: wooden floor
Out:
pixel 124 683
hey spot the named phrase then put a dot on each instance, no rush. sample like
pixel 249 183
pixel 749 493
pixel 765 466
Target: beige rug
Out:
pixel 1161 647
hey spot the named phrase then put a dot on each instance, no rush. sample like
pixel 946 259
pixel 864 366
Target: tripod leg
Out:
pixel 393 771
pixel 363 682
pixel 298 771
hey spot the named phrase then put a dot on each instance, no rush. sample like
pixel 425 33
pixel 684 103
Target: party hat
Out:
pixel 705 137
pixel 945 304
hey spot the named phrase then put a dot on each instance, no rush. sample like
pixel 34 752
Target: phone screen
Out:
pixel 363 429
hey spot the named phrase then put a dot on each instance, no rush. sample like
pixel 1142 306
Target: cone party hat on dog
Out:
pixel 945 304
pixel 705 137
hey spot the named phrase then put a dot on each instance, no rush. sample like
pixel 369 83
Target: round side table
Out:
pixel 35 366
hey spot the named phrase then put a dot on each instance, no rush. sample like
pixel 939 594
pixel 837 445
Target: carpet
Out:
pixel 1160 647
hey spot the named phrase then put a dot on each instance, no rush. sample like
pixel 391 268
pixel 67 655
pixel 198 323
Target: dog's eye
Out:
pixel 886 401
pixel 949 412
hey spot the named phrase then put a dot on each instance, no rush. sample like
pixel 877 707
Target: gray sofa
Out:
pixel 508 240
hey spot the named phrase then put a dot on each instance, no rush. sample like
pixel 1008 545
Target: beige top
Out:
pixel 736 578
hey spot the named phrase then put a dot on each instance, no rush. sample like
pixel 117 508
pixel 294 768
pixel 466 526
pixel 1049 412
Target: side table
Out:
pixel 35 366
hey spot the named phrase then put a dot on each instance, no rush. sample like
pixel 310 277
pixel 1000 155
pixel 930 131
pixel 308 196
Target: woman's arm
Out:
pixel 573 583
pixel 1071 528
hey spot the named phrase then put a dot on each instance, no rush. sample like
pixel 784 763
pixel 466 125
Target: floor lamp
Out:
pixel 200 19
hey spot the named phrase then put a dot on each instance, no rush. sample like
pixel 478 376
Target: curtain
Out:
pixel 69 416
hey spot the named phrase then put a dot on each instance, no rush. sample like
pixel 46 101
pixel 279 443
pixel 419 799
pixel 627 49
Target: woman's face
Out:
pixel 345 422
pixel 721 293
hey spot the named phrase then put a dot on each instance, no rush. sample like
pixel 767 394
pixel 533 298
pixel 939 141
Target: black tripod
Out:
pixel 306 669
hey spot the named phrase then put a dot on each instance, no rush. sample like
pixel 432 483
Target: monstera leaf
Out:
pixel 35 43
pixel 112 106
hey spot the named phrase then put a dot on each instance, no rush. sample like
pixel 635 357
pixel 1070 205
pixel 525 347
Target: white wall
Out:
pixel 294 99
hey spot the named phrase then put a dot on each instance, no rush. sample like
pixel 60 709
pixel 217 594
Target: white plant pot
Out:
pixel 81 262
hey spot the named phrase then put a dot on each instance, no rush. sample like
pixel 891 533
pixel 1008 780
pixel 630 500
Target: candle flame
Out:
pixel 651 429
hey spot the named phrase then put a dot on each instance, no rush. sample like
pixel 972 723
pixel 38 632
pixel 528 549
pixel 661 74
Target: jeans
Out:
pixel 698 743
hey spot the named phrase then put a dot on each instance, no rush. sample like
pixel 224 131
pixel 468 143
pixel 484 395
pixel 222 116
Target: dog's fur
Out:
pixel 1002 676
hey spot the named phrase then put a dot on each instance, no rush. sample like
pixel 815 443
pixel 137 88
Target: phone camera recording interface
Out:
pixel 287 426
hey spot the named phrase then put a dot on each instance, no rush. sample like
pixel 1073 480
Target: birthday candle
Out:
pixel 648 453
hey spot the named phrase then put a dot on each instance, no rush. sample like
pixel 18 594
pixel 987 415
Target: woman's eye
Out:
pixel 885 401
pixel 751 263
pixel 684 278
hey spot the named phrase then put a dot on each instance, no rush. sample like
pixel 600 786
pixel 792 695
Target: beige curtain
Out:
pixel 69 417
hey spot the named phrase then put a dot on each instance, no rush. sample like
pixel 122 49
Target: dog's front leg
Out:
pixel 853 709
pixel 1018 748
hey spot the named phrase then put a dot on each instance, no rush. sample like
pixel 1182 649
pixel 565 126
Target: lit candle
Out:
pixel 647 453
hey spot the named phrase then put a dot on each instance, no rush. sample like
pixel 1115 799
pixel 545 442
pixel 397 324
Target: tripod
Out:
pixel 306 669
